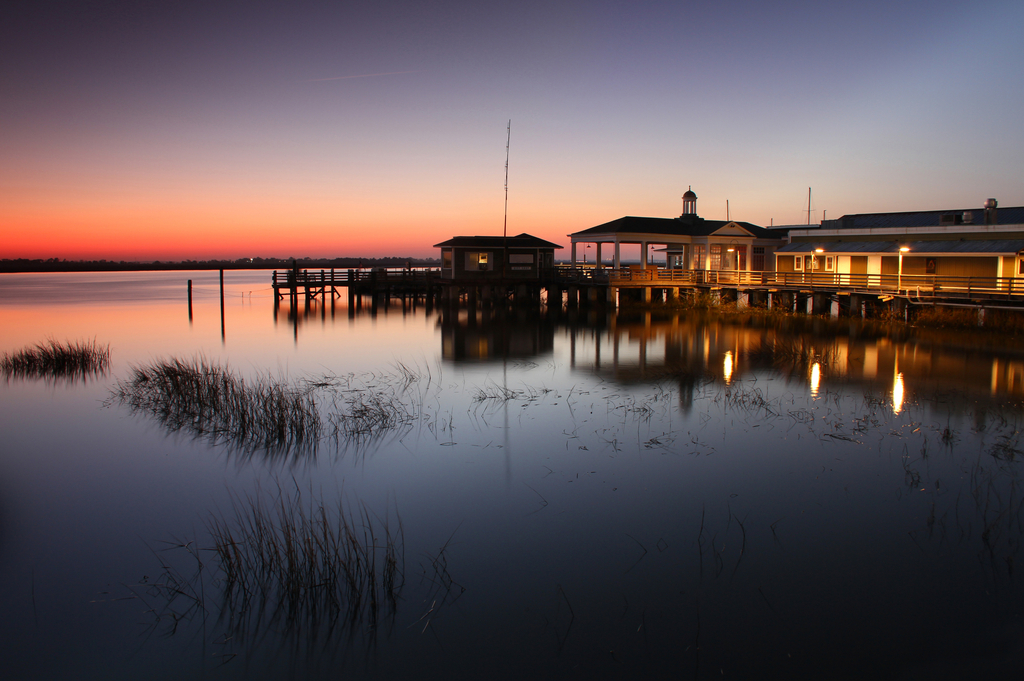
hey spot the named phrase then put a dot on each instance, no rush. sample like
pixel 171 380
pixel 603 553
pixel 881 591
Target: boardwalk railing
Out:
pixel 346 277
pixel 920 285
pixel 909 284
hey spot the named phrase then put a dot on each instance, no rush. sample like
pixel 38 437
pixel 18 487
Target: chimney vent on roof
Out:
pixel 968 217
pixel 990 212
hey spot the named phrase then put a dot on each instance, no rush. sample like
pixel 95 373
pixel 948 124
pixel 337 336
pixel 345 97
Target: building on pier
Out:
pixel 689 241
pixel 492 258
pixel 986 242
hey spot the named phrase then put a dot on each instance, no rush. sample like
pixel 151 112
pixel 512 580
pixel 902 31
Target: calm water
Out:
pixel 640 496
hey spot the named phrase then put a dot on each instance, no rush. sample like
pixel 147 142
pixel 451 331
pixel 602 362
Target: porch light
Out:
pixel 899 273
pixel 819 250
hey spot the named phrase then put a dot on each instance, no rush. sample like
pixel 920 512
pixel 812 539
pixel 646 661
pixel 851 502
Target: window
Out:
pixel 829 263
pixel 798 262
pixel 478 261
pixel 520 258
pixel 698 257
pixel 716 257
pixel 446 259
pixel 757 264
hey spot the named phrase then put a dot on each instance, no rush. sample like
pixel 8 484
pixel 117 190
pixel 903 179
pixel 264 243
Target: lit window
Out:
pixel 478 261
pixel 716 256
pixel 698 257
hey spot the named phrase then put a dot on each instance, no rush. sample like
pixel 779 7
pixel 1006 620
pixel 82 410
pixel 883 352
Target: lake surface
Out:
pixel 562 494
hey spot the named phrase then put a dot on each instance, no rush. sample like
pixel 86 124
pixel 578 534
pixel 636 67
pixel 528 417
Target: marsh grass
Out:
pixel 937 317
pixel 287 566
pixel 752 400
pixel 211 403
pixel 316 567
pixel 444 590
pixel 364 417
pixel 367 410
pixel 497 393
pixel 53 360
pixel 274 417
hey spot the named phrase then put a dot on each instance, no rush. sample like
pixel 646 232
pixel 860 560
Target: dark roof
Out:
pixel 523 240
pixel 687 225
pixel 923 218
pixel 966 247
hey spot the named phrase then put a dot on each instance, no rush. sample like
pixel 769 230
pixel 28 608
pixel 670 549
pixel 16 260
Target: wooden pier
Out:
pixel 321 283
pixel 806 291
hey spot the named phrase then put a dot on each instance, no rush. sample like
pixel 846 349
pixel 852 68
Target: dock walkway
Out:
pixel 603 284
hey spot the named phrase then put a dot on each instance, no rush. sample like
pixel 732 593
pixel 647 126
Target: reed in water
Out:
pixel 70 361
pixel 211 402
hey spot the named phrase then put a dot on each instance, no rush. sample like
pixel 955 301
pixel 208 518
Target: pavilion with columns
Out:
pixel 688 241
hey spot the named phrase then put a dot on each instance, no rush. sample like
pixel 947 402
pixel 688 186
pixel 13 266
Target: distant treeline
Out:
pixel 57 265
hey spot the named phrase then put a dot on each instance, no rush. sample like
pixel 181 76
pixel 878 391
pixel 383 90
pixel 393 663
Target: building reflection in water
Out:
pixel 691 351
pixel 298 313
pixel 812 351
pixel 495 333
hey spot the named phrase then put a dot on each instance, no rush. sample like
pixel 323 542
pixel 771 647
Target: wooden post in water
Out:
pixel 189 301
pixel 222 335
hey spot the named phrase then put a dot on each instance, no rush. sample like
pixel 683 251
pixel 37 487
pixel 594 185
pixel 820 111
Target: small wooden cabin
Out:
pixel 484 258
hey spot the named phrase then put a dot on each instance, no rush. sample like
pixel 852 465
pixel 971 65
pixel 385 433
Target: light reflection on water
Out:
pixel 698 497
pixel 897 393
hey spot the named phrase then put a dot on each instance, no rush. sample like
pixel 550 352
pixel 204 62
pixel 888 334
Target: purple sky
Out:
pixel 373 128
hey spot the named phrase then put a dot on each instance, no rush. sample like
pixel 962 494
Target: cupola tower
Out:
pixel 689 202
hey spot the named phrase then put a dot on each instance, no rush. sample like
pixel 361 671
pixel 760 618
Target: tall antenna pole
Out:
pixel 504 229
pixel 808 205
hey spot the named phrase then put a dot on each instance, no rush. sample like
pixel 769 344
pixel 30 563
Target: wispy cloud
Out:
pixel 361 75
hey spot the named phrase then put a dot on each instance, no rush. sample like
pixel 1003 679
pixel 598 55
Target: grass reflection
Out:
pixel 53 360
pixel 287 566
pixel 212 403
pixel 276 419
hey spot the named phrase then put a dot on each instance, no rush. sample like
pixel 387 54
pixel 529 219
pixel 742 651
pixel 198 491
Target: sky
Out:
pixel 196 130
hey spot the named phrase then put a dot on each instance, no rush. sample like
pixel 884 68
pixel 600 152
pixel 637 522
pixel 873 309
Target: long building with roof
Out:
pixel 985 242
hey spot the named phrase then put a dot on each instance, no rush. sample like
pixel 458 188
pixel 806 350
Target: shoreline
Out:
pixel 25 266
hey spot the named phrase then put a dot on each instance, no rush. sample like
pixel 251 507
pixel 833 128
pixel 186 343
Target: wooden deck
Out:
pixel 318 283
pixel 906 285
pixel 427 281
